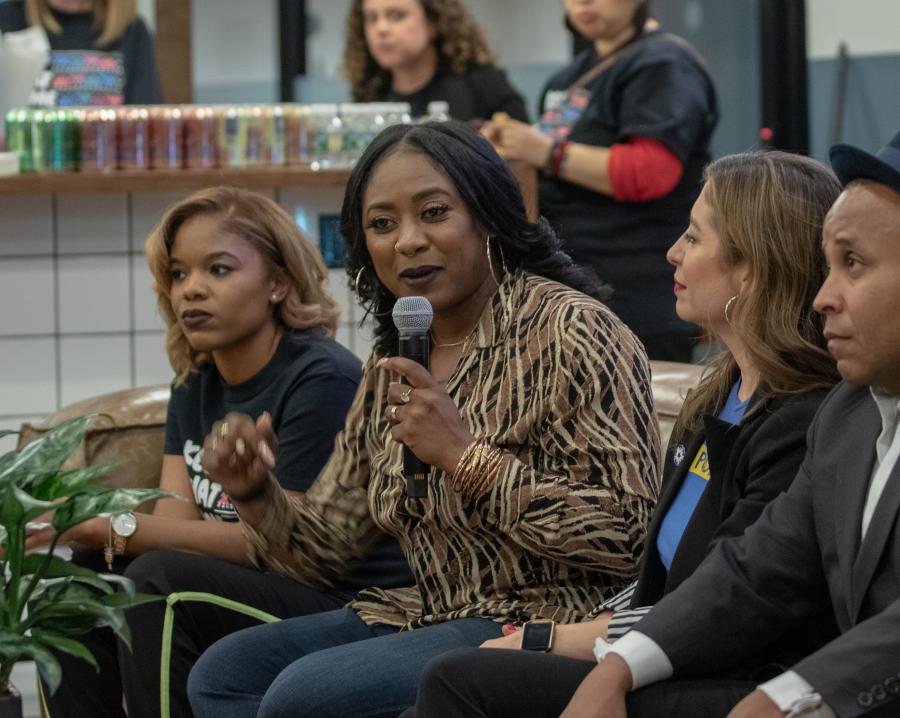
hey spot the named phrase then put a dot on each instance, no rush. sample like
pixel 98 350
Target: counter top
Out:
pixel 34 183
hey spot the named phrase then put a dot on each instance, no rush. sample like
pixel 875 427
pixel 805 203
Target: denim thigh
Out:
pixel 375 677
pixel 232 676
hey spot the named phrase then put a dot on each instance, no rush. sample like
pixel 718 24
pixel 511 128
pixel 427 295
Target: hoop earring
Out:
pixel 727 307
pixel 363 300
pixel 490 260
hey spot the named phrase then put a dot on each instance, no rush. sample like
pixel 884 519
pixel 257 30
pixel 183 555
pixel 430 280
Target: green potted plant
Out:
pixel 46 602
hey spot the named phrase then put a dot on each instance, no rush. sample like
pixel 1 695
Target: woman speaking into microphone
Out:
pixel 534 414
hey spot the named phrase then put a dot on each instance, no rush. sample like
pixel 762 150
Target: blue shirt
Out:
pixel 691 490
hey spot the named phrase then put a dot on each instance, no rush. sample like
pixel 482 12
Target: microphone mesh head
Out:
pixel 412 315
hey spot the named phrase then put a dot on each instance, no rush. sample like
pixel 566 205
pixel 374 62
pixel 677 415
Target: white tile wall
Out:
pixel 307 203
pixel 94 365
pixel 150 359
pixel 29 376
pixel 26 225
pixel 337 285
pixel 93 293
pixel 91 223
pixel 146 317
pixel 104 286
pixel 345 335
pixel 147 209
pixel 26 296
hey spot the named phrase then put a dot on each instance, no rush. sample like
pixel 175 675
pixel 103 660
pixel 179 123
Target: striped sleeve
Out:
pixel 623 621
pixel 313 536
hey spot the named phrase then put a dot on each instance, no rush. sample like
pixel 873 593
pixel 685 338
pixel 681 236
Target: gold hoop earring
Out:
pixel 364 302
pixel 727 307
pixel 490 259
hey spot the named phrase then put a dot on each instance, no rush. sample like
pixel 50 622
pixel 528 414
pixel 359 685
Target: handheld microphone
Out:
pixel 412 317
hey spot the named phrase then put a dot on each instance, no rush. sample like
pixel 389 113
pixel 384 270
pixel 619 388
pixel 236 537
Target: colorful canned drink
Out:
pixel 201 137
pixel 259 136
pixel 296 134
pixel 234 139
pixel 99 148
pixel 134 138
pixel 19 137
pixel 275 117
pixel 166 138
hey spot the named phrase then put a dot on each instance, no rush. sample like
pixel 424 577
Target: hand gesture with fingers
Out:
pixel 423 416
pixel 239 454
pixel 522 142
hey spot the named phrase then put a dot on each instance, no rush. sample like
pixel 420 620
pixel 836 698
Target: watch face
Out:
pixel 537 636
pixel 124 524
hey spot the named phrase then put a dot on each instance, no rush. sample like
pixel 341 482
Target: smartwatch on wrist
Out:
pixel 537 635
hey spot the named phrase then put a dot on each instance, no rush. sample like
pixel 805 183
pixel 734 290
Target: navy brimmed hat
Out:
pixel 851 164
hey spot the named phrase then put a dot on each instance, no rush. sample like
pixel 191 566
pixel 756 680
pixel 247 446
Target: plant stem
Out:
pixel 39 574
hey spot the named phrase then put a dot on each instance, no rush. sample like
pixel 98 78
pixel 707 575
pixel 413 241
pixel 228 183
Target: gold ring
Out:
pixel 223 429
pixel 239 446
pixel 393 413
pixel 404 396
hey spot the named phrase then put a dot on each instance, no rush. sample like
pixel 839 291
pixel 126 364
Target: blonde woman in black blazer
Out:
pixel 746 270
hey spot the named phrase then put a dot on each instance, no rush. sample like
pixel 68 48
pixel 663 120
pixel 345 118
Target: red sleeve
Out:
pixel 642 169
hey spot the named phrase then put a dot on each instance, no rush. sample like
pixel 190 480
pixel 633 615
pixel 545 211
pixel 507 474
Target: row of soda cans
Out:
pixel 106 139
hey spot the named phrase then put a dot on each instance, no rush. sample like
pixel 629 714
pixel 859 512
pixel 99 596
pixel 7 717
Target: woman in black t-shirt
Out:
pixel 422 51
pixel 622 143
pixel 250 326
pixel 100 51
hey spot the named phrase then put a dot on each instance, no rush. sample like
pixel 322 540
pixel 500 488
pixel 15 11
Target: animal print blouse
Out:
pixel 563 387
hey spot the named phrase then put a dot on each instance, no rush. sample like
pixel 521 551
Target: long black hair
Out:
pixel 492 197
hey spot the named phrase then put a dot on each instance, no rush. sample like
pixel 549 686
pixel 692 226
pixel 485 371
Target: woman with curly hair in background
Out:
pixel 421 51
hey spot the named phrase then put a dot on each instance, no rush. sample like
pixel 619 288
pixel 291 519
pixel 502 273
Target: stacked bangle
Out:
pixel 477 468
pixel 557 159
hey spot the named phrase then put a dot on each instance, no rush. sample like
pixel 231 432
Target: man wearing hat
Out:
pixel 825 553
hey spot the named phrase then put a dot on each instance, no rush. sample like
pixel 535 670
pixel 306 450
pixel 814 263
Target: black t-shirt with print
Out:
pixel 80 74
pixel 475 95
pixel 658 90
pixel 307 387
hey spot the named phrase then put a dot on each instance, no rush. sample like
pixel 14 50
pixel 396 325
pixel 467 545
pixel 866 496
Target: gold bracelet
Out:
pixel 477 468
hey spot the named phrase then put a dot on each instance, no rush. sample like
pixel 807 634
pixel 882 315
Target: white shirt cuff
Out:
pixel 790 692
pixel 647 662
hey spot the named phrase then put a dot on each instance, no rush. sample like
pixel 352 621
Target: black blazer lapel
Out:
pixel 652 577
pixel 721 438
pixel 851 482
pixel 873 545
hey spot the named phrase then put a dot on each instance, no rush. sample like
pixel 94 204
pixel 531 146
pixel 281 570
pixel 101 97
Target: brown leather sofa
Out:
pixel 129 428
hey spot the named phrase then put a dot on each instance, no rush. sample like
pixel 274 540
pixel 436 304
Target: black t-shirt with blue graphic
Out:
pixel 79 73
pixel 307 387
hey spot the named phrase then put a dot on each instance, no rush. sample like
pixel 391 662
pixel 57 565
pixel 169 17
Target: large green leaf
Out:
pixel 15 647
pixel 66 645
pixel 46 454
pixel 20 506
pixel 56 567
pixel 69 483
pixel 85 506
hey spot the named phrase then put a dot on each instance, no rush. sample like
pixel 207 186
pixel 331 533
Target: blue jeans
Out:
pixel 328 664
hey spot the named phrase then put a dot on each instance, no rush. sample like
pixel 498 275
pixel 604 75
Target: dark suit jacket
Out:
pixel 804 558
pixel 749 465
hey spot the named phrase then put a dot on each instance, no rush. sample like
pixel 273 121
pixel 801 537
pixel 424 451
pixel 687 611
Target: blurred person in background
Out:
pixel 100 51
pixel 622 142
pixel 422 51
